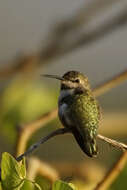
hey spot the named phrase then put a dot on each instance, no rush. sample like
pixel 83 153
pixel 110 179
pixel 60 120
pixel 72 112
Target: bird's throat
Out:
pixel 66 93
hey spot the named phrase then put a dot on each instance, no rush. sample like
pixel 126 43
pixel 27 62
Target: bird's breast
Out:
pixel 64 115
pixel 63 109
pixel 64 106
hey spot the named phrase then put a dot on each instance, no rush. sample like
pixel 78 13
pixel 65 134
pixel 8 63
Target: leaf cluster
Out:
pixel 13 176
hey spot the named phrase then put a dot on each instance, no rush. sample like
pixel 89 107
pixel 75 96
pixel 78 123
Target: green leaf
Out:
pixel 27 185
pixel 72 186
pixel 44 183
pixel 60 185
pixel 38 186
pixel 22 168
pixel 12 172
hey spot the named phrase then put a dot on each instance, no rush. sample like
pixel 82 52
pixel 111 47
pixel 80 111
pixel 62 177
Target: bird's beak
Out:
pixel 53 76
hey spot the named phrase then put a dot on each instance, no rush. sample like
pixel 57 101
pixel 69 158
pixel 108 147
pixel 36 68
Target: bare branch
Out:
pixel 60 131
pixel 59 47
pixel 113 143
pixel 44 139
pixel 25 64
pixel 111 83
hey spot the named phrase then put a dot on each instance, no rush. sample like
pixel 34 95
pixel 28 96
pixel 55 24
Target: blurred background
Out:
pixel 53 37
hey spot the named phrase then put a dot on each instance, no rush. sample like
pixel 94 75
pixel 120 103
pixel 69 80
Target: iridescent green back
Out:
pixel 85 114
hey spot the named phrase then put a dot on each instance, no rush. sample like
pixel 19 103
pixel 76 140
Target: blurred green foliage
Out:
pixel 23 101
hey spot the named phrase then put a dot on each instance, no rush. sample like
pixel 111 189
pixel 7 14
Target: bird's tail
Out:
pixel 87 142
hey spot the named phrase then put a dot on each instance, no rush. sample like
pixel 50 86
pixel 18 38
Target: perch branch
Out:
pixel 41 141
pixel 112 142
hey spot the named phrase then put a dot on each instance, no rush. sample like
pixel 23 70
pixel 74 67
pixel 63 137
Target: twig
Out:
pixel 110 176
pixel 97 33
pixel 44 139
pixel 113 173
pixel 83 16
pixel 112 142
pixel 111 83
pixel 25 64
pixel 60 131
pixel 59 47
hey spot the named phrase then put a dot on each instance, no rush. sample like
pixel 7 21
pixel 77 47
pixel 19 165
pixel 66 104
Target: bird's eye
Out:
pixel 77 80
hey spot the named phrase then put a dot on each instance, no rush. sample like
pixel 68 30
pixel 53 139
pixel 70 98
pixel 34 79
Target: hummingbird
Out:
pixel 78 110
